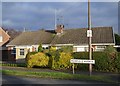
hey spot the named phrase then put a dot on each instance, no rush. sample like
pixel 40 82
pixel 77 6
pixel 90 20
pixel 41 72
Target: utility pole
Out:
pixel 89 37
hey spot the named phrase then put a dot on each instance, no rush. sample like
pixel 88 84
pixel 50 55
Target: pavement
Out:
pixel 15 79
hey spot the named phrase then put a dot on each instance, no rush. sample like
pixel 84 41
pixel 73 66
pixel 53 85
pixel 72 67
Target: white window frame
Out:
pixel 22 52
pixel 101 47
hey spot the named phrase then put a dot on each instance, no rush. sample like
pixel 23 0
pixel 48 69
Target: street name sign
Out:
pixel 82 61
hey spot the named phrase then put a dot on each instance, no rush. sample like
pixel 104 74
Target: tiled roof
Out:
pixel 69 36
pixel 79 36
pixel 32 38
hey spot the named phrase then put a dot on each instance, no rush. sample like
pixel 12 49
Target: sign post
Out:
pixel 73 69
pixel 81 61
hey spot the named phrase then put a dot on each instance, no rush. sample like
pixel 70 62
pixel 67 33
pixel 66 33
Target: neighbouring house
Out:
pixel 29 41
pixel 4 39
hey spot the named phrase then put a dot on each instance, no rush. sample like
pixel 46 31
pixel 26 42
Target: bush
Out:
pixel 81 55
pixel 66 49
pixel 117 62
pixel 103 61
pixel 60 59
pixel 38 59
pixel 111 52
pixel 40 49
pixel 112 56
pixel 64 60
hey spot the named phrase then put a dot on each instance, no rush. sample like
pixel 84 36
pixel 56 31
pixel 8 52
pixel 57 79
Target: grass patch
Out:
pixel 57 75
pixel 13 64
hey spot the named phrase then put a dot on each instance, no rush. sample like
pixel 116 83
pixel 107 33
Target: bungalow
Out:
pixel 29 41
pixel 4 39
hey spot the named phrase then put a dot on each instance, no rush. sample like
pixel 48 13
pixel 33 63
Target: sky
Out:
pixel 41 15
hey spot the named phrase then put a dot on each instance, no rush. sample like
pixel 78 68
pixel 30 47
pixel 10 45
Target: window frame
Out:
pixel 22 52
pixel 13 50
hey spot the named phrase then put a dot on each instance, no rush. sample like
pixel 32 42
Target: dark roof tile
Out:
pixel 70 36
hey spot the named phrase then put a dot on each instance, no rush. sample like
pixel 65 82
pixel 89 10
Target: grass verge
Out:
pixel 58 75
pixel 13 64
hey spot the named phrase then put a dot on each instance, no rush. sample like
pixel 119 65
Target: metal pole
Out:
pixel 73 69
pixel 90 38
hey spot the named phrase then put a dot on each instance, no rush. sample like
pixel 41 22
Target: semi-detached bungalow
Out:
pixel 30 40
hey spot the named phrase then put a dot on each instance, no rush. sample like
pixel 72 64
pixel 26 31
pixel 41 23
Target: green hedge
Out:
pixel 107 61
pixel 13 64
pixel 81 55
pixel 103 62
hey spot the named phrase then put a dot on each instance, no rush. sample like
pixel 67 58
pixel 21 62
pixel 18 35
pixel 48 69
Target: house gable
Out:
pixel 4 37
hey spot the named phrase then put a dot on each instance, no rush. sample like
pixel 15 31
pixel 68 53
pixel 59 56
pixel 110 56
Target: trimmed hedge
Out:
pixel 13 64
pixel 107 61
pixel 81 55
pixel 102 61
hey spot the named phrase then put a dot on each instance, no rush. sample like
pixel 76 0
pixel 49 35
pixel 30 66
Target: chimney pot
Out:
pixel 59 29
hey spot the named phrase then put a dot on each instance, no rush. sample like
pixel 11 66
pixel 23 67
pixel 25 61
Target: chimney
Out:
pixel 59 29
pixel 6 32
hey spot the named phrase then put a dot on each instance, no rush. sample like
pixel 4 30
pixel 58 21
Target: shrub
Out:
pixel 111 52
pixel 112 55
pixel 67 49
pixel 38 59
pixel 117 62
pixel 60 59
pixel 103 62
pixel 81 55
pixel 64 60
pixel 40 49
pixel 54 58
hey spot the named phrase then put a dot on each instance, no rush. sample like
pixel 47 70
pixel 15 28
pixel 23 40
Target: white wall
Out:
pixel 1 38
pixel 81 48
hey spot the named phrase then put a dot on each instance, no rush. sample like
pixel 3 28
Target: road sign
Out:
pixel 89 33
pixel 82 61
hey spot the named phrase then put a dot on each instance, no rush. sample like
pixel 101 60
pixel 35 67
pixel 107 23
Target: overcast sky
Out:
pixel 38 15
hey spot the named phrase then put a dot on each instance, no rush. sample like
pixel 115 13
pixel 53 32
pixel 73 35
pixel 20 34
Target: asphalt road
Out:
pixel 15 80
pixel 19 80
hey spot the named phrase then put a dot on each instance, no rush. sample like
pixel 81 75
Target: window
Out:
pixel 14 50
pixel 21 51
pixel 101 47
pixel 1 39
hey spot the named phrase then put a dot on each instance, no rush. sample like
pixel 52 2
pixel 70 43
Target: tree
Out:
pixel 40 49
pixel 117 39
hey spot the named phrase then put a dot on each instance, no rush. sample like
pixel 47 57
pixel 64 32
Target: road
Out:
pixel 18 80
pixel 7 79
